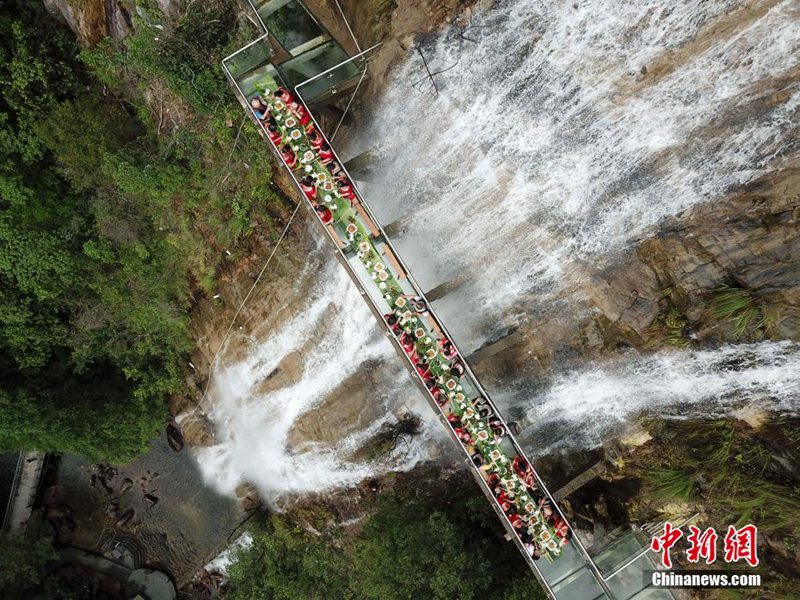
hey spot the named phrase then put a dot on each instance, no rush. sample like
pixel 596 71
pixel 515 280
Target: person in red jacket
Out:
pixel 315 139
pixel 308 187
pixel 303 116
pixel 288 155
pixel 284 95
pixel 324 213
pixel 326 154
pixel 561 527
pixel 275 136
pixel 520 466
pixel 346 188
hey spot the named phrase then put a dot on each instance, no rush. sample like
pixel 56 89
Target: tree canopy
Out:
pixel 409 548
pixel 110 224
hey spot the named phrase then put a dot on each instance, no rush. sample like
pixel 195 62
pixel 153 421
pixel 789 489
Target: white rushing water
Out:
pixel 579 408
pixel 568 130
pixel 565 132
pixel 336 335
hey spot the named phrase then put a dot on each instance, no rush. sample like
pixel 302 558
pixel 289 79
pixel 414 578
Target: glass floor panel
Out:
pixel 581 585
pixel 316 61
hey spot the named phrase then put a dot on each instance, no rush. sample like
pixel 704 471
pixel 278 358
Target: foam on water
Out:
pixel 579 408
pixel 548 149
pixel 253 428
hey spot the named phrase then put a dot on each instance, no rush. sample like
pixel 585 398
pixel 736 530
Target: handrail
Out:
pixel 13 491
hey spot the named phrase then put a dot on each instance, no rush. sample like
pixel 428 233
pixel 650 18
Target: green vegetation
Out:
pixel 21 561
pixel 123 186
pixel 671 326
pixel 671 484
pixel 729 470
pixel 741 308
pixel 410 548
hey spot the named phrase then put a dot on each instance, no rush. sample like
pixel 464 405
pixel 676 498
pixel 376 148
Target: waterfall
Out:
pixel 566 130
pixel 579 408
pixel 332 336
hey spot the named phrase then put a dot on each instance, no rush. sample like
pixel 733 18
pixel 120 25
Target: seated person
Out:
pixel 420 306
pixel 335 168
pixel 346 188
pixel 517 522
pixel 324 213
pixel 439 396
pixel 546 508
pixel 476 457
pixel 457 369
pixel 561 527
pixel 309 187
pixel 260 108
pixel 506 504
pixel 394 322
pixel 497 427
pixel 303 116
pixel 285 96
pixel 483 407
pixel 533 551
pixel 448 350
pixel 275 136
pixel 520 466
pixel 287 154
pixel 315 139
pixel 326 154
pixel 463 435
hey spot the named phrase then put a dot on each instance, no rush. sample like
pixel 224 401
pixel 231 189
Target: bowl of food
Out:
pixel 400 302
pixel 383 275
pixel 295 135
pixel 351 228
pixel 420 333
pixel 291 122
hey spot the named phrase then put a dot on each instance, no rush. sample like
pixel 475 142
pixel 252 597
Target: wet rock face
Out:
pixel 93 20
pixel 749 239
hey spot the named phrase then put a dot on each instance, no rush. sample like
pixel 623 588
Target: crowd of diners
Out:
pixel 472 418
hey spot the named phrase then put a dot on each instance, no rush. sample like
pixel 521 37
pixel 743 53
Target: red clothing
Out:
pixel 346 190
pixel 317 143
pixel 520 466
pixel 325 215
pixel 437 396
pixel 302 115
pixel 448 351
pixel 285 95
pixel 309 190
pixel 561 527
pixel 290 158
pixel 326 156
pixel 275 137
